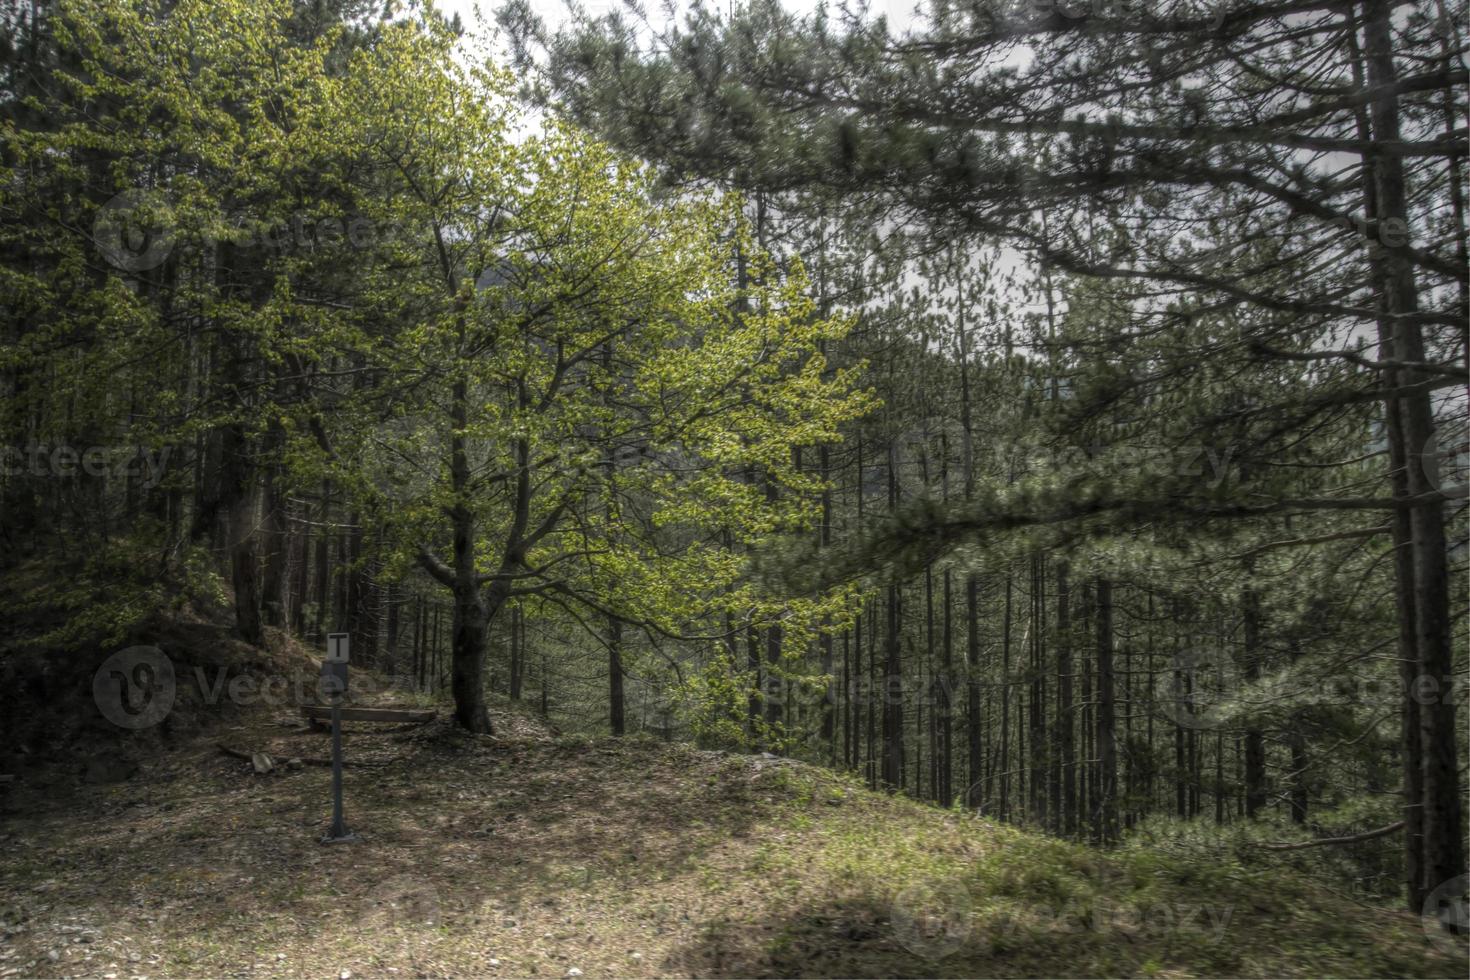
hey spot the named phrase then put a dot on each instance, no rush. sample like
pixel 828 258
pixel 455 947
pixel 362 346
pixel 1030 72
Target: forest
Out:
pixel 1019 449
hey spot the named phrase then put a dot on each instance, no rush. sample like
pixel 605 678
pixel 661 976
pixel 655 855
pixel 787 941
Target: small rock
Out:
pixel 345 975
pixel 52 955
pixel 637 957
pixel 262 763
pixel 574 972
pixel 294 764
pixel 494 961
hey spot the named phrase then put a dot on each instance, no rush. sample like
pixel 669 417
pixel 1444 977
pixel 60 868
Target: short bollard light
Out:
pixel 334 688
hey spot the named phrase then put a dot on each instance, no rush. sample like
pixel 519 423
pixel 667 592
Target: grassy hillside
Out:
pixel 532 854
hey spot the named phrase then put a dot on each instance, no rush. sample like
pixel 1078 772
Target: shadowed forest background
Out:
pixel 1056 416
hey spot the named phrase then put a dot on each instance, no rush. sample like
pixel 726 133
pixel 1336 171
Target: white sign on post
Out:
pixel 337 648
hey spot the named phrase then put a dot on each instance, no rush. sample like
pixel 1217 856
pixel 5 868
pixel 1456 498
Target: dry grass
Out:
pixel 532 855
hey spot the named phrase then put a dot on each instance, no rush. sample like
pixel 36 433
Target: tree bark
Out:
pixel 1443 836
pixel 615 674
pixel 1005 702
pixel 245 569
pixel 275 542
pixel 323 565
pixel 1065 738
pixel 517 650
pixel 1106 829
pixel 1036 696
pixel 974 794
pixel 828 732
pixel 945 702
pixel 472 602
pixel 1255 742
pixel 893 750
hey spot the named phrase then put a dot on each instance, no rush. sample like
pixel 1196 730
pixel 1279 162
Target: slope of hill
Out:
pixel 529 854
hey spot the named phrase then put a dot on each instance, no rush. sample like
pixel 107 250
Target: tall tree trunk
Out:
pixel 973 795
pixel 828 731
pixel 893 747
pixel 1297 741
pixel 928 692
pixel 467 652
pixel 1255 742
pixel 300 568
pixel 420 641
pixel 275 544
pixel 615 674
pixel 858 678
pixel 323 565
pixel 875 695
pixel 775 688
pixel 1181 705
pixel 473 603
pixel 893 754
pixel 1005 702
pixel 972 585
pixel 390 640
pixel 1065 742
pixel 1106 828
pixel 945 703
pixel 1036 695
pixel 517 650
pixel 355 599
pixel 757 689
pixel 855 693
pixel 1444 843
pixel 245 566
pixel 845 700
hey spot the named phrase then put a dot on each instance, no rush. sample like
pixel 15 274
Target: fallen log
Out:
pixel 304 760
pixel 1324 841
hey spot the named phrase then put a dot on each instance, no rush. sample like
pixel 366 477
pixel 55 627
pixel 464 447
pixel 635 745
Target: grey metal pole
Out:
pixel 339 830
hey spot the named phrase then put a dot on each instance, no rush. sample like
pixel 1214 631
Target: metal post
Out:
pixel 334 682
pixel 339 830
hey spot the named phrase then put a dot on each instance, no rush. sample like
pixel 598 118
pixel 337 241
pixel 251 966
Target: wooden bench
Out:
pixel 323 712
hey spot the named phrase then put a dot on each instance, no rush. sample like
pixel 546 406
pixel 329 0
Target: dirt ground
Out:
pixel 531 854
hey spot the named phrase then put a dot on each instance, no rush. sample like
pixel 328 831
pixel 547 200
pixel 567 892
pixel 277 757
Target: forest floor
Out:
pixel 531 854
